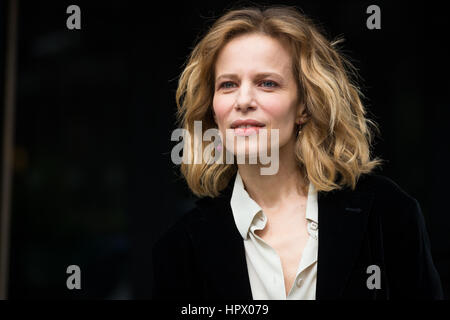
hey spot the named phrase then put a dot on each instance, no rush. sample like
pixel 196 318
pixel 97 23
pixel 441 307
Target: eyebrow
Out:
pixel 258 75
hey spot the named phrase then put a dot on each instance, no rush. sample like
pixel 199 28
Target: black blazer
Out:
pixel 202 256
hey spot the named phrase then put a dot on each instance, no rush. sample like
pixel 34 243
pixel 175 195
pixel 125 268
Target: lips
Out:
pixel 246 127
pixel 246 123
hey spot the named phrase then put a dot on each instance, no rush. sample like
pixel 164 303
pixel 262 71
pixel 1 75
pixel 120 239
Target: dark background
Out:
pixel 93 182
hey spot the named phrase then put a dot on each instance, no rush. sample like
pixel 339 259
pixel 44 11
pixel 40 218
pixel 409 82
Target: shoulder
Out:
pixel 386 190
pixel 391 203
pixel 177 235
pixel 394 206
pixel 197 222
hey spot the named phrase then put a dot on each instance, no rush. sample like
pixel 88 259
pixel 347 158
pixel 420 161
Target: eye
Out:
pixel 269 83
pixel 227 85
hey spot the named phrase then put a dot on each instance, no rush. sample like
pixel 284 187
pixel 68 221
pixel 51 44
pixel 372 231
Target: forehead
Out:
pixel 254 52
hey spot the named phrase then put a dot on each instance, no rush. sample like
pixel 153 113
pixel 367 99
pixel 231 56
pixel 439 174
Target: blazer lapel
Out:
pixel 343 216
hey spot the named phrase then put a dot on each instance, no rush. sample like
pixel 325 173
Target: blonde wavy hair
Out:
pixel 336 139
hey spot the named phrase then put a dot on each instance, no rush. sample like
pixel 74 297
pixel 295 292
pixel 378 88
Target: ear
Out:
pixel 302 114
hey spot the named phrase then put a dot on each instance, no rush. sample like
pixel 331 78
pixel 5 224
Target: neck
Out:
pixel 272 190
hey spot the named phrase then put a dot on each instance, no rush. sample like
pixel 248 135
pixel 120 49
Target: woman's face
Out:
pixel 254 80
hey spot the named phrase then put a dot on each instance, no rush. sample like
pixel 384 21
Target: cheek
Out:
pixel 222 106
pixel 278 109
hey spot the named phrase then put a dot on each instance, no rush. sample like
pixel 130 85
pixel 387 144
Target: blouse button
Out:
pixel 299 282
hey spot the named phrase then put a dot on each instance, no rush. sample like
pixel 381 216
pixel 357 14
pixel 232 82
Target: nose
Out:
pixel 245 98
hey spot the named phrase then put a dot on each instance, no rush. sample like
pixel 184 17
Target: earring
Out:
pixel 299 129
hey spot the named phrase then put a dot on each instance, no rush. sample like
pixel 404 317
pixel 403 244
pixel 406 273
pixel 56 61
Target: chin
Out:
pixel 247 151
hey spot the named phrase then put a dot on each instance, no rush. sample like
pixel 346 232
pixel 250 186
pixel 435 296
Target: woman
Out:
pixel 256 236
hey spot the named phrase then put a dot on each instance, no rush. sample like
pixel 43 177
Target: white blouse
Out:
pixel 263 263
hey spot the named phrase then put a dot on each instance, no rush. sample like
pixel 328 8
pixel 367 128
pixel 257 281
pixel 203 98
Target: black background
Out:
pixel 93 182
